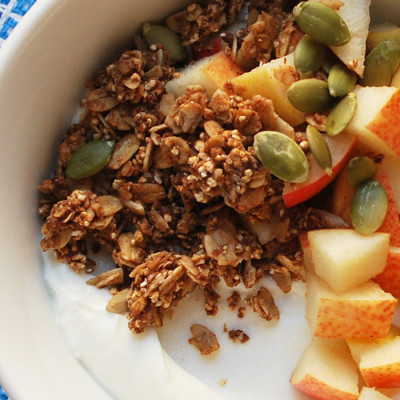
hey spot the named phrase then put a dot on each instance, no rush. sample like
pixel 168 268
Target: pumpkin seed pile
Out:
pixel 323 27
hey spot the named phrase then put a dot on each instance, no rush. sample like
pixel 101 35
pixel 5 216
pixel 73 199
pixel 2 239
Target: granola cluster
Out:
pixel 183 202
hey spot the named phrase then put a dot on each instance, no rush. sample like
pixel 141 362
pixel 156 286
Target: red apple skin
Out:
pixel 341 147
pixel 321 391
pixel 389 279
pixel 222 69
pixel 216 46
pixel 386 124
pixel 391 223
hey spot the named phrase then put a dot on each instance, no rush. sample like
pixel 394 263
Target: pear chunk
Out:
pixel 363 312
pixel 327 371
pixel 356 15
pixel 344 258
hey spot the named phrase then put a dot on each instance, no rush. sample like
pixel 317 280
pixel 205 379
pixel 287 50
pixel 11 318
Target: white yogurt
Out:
pixel 162 364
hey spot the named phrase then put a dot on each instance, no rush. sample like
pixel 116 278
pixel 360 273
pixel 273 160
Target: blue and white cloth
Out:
pixel 3 395
pixel 11 12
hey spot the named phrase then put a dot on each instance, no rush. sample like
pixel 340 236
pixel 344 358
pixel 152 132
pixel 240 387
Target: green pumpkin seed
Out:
pixel 89 159
pixel 341 114
pixel 308 55
pixel 322 23
pixel 341 80
pixel 319 149
pixel 360 169
pixel 378 73
pixel 381 63
pixel 368 207
pixel 310 95
pixel 281 155
pixel 158 34
pixel 329 61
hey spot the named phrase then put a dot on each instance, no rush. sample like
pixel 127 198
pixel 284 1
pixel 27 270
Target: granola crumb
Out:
pixel 223 382
pixel 241 312
pixel 233 300
pixel 237 335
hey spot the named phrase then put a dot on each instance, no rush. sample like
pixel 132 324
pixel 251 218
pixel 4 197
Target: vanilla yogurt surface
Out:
pixel 161 364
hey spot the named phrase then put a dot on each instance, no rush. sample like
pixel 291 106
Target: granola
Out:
pixel 183 201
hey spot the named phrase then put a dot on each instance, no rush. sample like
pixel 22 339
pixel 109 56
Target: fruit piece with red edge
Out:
pixel 341 147
pixel 326 371
pixel 210 72
pixel 207 51
pixel 391 166
pixel 377 122
pixel 378 359
pixel 272 81
pixel 389 279
pixel 363 312
pixel 391 223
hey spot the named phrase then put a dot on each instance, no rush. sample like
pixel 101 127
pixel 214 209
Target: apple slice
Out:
pixel 378 360
pixel 209 72
pixel 391 223
pixel 371 394
pixel 344 258
pixel 271 80
pixel 356 15
pixel 377 119
pixel 364 312
pixel 305 246
pixel 391 166
pixel 326 371
pixel 341 147
pixel 389 279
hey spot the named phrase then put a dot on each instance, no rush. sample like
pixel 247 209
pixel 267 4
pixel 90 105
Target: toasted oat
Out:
pixel 111 277
pixel 263 303
pixel 118 304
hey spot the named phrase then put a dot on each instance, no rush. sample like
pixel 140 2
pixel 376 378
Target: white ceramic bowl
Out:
pixel 43 67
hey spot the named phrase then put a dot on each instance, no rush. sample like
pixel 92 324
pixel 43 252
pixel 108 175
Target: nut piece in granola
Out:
pixel 237 335
pixel 204 339
pixel 263 303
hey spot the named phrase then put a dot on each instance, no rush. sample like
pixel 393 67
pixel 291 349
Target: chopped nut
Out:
pixel 205 340
pixel 282 278
pixel 123 151
pixel 118 303
pixel 111 277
